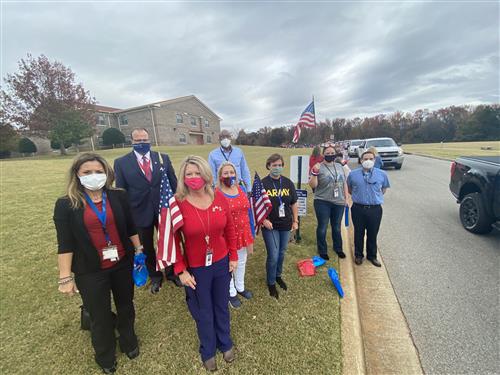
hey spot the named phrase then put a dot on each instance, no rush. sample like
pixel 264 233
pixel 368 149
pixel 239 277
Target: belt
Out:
pixel 366 205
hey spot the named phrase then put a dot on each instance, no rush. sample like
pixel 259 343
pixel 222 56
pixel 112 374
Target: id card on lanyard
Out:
pixel 109 252
pixel 281 208
pixel 336 184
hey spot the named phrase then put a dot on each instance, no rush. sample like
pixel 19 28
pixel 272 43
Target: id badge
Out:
pixel 208 258
pixel 336 192
pixel 281 210
pixel 110 252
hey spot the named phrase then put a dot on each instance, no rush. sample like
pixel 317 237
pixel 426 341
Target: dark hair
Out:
pixel 138 130
pixel 273 158
pixel 329 146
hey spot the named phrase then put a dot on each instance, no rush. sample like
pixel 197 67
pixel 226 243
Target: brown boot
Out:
pixel 210 364
pixel 229 355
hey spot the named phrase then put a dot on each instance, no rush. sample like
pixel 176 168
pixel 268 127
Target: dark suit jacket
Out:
pixel 144 196
pixel 72 235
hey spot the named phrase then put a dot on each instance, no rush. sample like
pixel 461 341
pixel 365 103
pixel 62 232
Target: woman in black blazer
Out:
pixel 96 241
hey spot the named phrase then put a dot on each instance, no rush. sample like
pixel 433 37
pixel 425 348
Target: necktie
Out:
pixel 146 168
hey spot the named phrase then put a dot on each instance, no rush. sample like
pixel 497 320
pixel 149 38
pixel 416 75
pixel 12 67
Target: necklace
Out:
pixel 96 197
pixel 207 237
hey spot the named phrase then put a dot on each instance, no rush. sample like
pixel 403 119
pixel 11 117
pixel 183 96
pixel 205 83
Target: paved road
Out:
pixel 446 279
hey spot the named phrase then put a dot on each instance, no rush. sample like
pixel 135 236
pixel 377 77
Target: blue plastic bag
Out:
pixel 318 261
pixel 140 271
pixel 335 280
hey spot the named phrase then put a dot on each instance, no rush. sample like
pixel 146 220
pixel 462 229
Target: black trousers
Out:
pixel 146 234
pixel 95 289
pixel 366 219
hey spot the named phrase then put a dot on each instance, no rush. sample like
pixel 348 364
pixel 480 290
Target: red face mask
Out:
pixel 194 183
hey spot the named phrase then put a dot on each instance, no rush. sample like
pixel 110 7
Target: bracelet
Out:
pixel 65 280
pixel 139 248
pixel 315 174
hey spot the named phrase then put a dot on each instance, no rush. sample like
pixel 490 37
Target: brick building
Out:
pixel 184 120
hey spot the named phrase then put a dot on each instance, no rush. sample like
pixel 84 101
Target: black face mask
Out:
pixel 329 158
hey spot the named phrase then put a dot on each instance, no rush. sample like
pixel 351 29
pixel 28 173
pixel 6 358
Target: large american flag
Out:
pixel 261 204
pixel 169 221
pixel 307 120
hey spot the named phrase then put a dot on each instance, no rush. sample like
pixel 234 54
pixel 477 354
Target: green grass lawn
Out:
pixel 40 327
pixel 454 149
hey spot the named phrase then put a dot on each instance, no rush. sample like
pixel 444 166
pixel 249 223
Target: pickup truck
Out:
pixel 391 154
pixel 475 183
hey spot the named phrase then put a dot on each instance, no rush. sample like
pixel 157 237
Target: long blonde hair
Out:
pixel 75 190
pixel 219 172
pixel 205 172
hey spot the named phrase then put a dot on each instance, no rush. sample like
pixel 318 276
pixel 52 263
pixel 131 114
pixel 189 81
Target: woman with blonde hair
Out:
pixel 228 184
pixel 96 240
pixel 209 258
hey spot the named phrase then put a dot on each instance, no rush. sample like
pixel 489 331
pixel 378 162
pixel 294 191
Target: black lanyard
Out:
pixel 223 154
pixel 279 190
pixel 335 169
pixel 101 215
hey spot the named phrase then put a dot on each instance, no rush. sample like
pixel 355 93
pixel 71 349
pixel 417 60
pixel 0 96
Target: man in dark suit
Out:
pixel 138 172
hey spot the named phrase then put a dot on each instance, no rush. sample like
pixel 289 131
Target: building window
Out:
pixel 207 124
pixel 209 139
pixel 100 120
pixel 193 121
pixel 182 138
pixel 123 120
pixel 178 118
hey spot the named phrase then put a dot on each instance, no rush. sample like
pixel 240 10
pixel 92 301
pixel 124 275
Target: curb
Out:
pixel 353 354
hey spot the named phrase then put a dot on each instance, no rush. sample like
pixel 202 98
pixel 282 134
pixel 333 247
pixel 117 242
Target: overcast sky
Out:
pixel 258 64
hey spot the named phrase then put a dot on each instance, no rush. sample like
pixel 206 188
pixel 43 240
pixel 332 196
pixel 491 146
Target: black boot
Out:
pixel 272 291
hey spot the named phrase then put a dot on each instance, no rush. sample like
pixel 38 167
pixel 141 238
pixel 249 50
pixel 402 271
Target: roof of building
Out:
pixel 102 108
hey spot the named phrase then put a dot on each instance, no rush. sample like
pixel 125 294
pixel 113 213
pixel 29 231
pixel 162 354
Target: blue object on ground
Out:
pixel 335 280
pixel 318 261
pixel 140 271
pixel 346 216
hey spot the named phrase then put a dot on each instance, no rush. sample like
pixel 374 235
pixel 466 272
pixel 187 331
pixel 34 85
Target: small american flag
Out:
pixel 261 204
pixel 169 221
pixel 307 120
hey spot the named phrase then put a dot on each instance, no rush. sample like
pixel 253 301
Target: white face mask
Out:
pixel 94 181
pixel 225 142
pixel 368 164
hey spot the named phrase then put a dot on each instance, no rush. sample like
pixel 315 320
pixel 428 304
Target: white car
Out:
pixel 353 146
pixel 391 154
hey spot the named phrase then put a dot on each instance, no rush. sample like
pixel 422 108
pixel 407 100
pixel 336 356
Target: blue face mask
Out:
pixel 142 148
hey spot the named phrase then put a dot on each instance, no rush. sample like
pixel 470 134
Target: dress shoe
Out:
pixel 281 283
pixel 246 294
pixel 341 254
pixel 229 355
pixel 376 263
pixel 210 364
pixel 324 256
pixel 155 287
pixel 109 370
pixel 234 302
pixel 133 354
pixel 358 260
pixel 272 291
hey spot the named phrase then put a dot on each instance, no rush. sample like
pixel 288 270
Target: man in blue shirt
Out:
pixel 367 186
pixel 226 152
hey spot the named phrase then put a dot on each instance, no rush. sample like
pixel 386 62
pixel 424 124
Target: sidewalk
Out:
pixel 375 335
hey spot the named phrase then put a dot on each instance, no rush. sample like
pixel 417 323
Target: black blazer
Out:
pixel 144 196
pixel 72 236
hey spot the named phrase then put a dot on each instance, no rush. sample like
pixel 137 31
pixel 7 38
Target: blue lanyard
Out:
pixel 101 215
pixel 223 154
pixel 279 190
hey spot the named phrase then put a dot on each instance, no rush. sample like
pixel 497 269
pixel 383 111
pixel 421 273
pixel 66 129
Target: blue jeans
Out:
pixel 276 242
pixel 327 211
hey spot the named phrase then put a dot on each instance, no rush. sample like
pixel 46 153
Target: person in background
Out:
pixel 239 205
pixel 139 173
pixel 367 186
pixel 378 160
pixel 316 157
pixel 96 239
pixel 282 219
pixel 209 258
pixel 329 181
pixel 235 155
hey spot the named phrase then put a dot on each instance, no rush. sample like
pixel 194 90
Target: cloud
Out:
pixel 258 64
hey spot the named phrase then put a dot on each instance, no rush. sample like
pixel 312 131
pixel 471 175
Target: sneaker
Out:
pixel 273 292
pixel 281 283
pixel 210 364
pixel 358 260
pixel 246 294
pixel 234 302
pixel 229 355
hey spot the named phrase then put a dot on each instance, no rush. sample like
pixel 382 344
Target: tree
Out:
pixel 112 136
pixel 26 146
pixel 42 93
pixel 69 127
pixel 9 140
